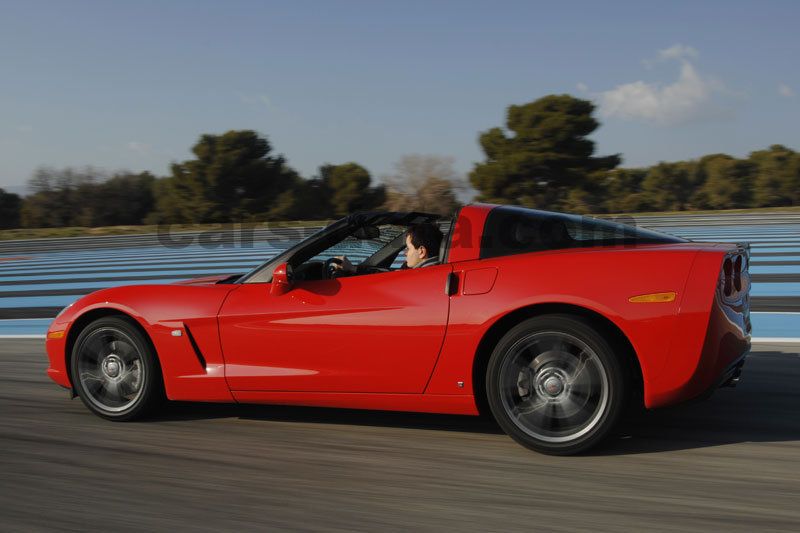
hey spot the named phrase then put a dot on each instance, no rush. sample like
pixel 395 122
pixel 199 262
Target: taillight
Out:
pixel 737 273
pixel 727 271
pixel 732 282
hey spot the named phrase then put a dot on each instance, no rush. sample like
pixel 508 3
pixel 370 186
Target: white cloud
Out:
pixel 674 52
pixel 677 51
pixel 687 98
pixel 582 87
pixel 785 90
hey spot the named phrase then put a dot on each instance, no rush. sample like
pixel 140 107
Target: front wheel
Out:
pixel 555 385
pixel 115 371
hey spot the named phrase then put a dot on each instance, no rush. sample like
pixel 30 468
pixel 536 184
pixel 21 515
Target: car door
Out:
pixel 369 333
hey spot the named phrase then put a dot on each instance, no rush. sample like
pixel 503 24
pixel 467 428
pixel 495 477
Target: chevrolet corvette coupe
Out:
pixel 553 323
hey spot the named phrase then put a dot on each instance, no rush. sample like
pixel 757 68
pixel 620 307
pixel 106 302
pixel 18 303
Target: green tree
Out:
pixel 350 188
pixel 87 197
pixel 123 199
pixel 777 181
pixel 59 196
pixel 728 183
pixel 10 205
pixel 667 186
pixel 623 191
pixel 233 177
pixel 544 155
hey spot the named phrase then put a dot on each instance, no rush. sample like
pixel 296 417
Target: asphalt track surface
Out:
pixel 729 463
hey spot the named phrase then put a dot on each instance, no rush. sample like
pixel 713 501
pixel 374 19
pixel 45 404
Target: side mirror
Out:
pixel 281 279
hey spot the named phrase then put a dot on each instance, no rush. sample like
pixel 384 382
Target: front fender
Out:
pixel 171 316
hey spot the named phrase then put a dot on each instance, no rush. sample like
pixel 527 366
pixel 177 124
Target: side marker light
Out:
pixel 657 297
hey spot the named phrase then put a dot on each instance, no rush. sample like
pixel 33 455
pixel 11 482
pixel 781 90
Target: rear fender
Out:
pixel 602 281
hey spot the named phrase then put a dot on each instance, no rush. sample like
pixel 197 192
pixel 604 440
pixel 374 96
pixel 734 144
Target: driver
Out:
pixel 422 245
pixel 422 248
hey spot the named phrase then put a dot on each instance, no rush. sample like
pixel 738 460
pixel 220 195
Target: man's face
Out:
pixel 414 256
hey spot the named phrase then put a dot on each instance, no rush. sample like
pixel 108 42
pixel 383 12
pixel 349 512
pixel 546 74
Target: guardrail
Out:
pixel 238 236
pixel 220 237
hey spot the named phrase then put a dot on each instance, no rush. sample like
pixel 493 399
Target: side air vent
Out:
pixel 195 347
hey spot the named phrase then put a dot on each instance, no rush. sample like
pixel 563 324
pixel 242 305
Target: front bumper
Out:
pixel 56 347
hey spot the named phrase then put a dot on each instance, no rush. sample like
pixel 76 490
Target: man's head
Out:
pixel 422 242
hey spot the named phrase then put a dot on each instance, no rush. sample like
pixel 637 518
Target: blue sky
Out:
pixel 131 85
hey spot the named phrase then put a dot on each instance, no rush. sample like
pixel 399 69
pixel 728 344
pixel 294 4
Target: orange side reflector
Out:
pixel 657 297
pixel 55 334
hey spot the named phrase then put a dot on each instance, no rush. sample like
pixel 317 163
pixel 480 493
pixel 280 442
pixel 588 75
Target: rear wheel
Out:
pixel 555 385
pixel 115 371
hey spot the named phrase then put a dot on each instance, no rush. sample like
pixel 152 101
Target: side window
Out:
pixel 515 230
pixel 512 231
pixel 444 227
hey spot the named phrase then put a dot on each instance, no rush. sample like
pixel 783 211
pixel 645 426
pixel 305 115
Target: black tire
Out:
pixel 555 385
pixel 115 371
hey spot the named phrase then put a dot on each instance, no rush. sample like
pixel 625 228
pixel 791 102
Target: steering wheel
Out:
pixel 330 270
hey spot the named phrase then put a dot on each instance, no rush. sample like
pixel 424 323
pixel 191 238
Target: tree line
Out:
pixel 542 158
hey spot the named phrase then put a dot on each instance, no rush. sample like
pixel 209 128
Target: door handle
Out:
pixel 451 285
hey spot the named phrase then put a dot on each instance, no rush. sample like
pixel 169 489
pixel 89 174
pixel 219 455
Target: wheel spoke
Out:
pixel 88 376
pixel 95 348
pixel 112 388
pixel 567 408
pixel 536 416
pixel 580 369
pixel 124 388
pixel 126 352
pixel 550 414
pixel 92 381
pixel 127 382
pixel 529 407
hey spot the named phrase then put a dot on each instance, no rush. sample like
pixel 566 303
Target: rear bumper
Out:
pixel 723 353
pixel 732 376
pixel 723 357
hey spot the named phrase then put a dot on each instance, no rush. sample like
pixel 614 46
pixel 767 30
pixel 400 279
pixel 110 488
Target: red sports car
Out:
pixel 551 322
